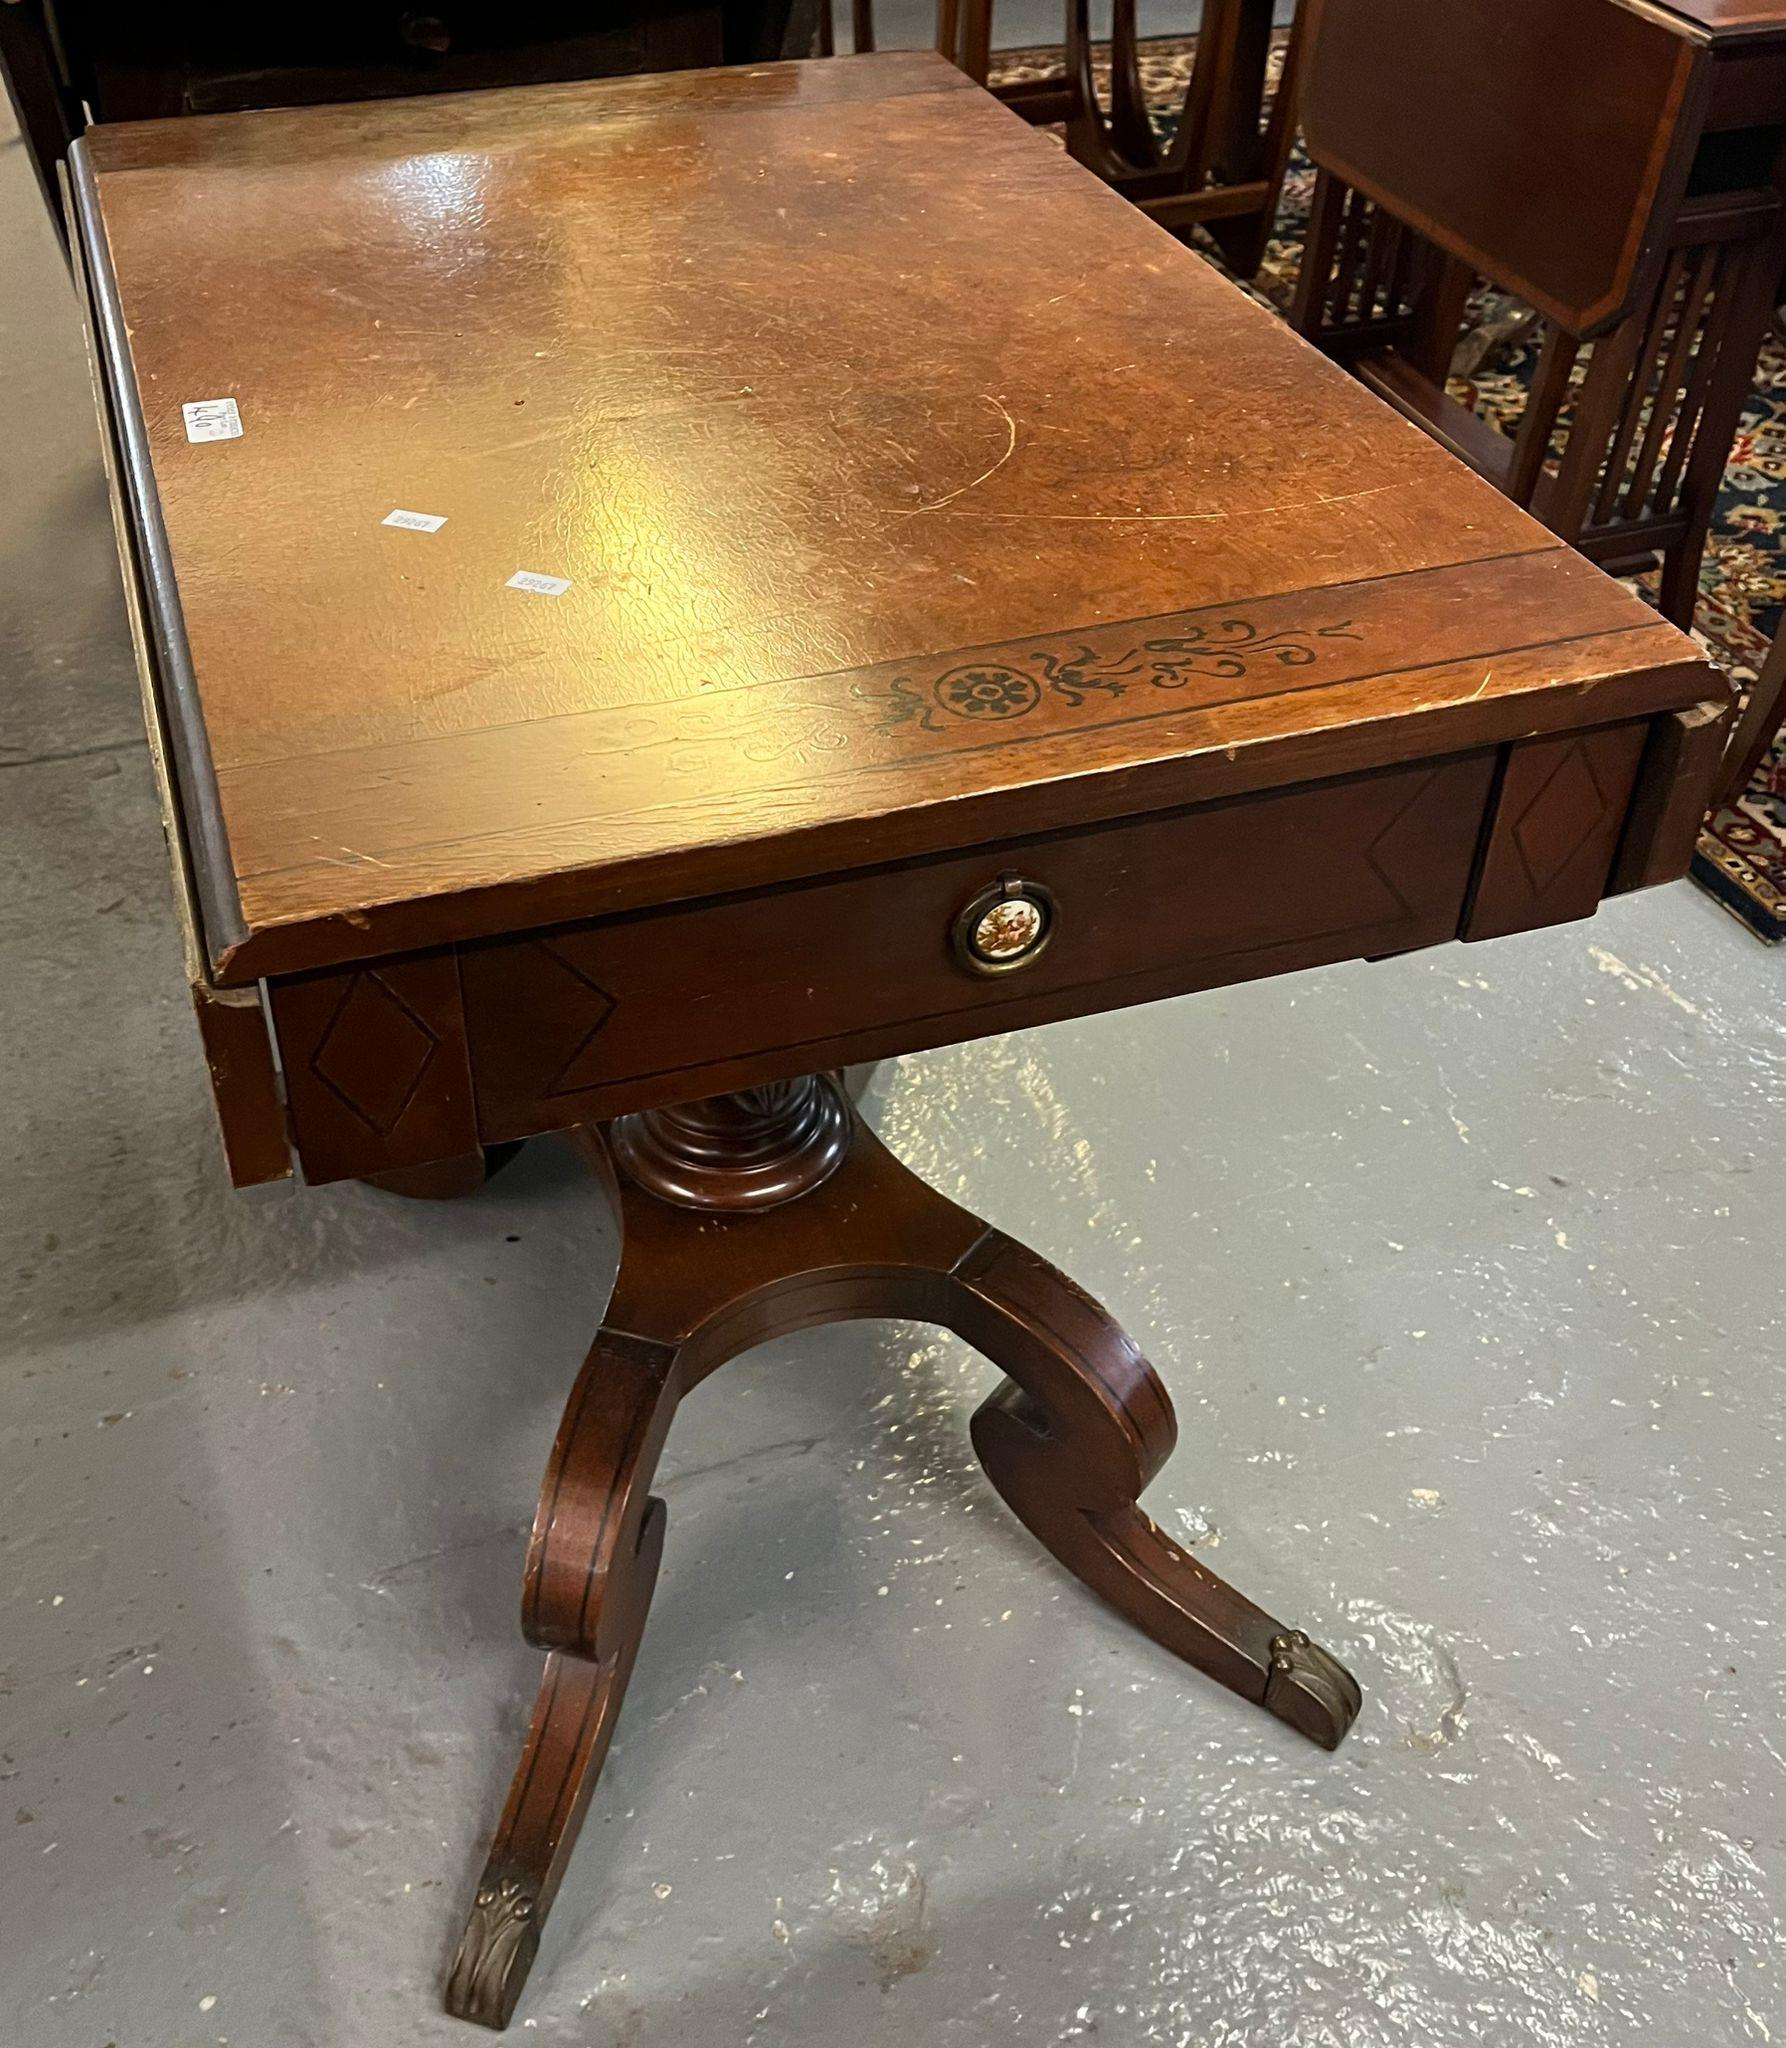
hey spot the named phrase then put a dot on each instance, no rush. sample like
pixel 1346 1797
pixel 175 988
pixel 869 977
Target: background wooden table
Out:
pixel 1619 167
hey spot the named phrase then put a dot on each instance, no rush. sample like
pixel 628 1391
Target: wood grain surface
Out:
pixel 910 489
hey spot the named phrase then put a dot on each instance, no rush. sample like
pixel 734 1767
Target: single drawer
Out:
pixel 590 1020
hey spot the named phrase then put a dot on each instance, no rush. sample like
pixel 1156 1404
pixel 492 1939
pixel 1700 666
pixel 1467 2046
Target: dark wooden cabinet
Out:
pixel 140 63
pixel 67 61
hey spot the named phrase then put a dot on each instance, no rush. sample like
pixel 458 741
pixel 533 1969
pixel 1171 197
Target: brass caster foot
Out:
pixel 1311 1690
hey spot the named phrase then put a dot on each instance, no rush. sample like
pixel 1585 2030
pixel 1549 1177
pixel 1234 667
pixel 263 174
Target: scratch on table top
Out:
pixel 1010 449
pixel 1151 518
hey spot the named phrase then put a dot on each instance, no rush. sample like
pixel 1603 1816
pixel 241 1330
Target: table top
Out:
pixel 1732 18
pixel 876 481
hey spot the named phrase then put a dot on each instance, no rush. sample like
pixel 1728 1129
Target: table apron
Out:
pixel 400 1062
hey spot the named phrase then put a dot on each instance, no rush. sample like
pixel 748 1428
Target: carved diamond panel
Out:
pixel 1404 845
pixel 1555 829
pixel 374 1053
pixel 587 1006
pixel 1564 814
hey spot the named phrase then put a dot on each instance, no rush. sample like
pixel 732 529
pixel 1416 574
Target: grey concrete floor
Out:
pixel 1464 1271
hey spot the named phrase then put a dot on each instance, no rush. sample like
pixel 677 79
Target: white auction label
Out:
pixel 416 522
pixel 541 586
pixel 212 419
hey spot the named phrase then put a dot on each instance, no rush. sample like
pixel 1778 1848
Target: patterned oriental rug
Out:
pixel 1742 850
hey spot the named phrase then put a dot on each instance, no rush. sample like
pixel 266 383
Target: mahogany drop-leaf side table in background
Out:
pixel 650 592
pixel 1618 166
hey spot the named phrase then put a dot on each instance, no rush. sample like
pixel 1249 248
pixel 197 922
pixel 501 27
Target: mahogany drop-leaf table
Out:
pixel 649 592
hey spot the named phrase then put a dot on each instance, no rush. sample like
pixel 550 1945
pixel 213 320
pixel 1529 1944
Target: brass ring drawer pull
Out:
pixel 1004 927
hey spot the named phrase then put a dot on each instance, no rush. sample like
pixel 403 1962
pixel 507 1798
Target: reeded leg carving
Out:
pixel 774 1211
pixel 1070 1440
pixel 591 1567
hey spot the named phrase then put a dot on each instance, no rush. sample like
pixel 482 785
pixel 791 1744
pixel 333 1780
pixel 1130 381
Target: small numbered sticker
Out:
pixel 541 586
pixel 416 522
pixel 212 419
